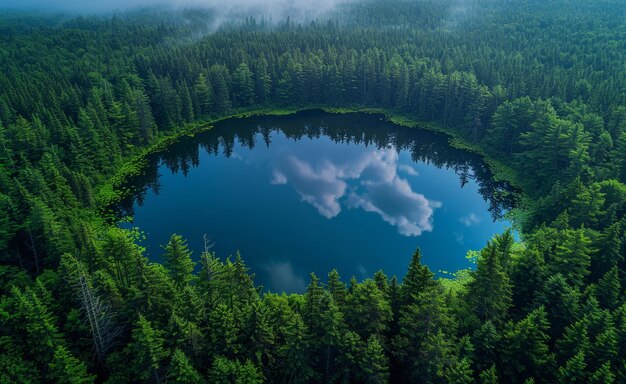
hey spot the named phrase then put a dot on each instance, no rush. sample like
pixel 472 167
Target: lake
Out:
pixel 315 191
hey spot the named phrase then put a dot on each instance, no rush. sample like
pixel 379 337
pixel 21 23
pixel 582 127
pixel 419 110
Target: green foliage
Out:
pixel 177 259
pixel 417 279
pixel 146 351
pixel 66 369
pixel 181 370
pixel 369 311
pixel 226 371
pixel 489 293
pixel 526 351
pixel 574 370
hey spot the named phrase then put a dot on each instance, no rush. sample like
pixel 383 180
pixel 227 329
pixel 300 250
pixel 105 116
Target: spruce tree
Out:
pixel 574 370
pixel 146 351
pixel 177 259
pixel 67 369
pixel 417 279
pixel 489 294
pixel 181 371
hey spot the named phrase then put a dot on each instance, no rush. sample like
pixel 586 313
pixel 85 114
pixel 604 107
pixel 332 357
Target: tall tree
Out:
pixel 146 352
pixel 67 369
pixel 177 259
pixel 489 294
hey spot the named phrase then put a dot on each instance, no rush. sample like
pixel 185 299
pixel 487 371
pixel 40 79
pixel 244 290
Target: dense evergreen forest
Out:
pixel 539 86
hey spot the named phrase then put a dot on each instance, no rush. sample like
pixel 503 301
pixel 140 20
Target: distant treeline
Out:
pixel 538 85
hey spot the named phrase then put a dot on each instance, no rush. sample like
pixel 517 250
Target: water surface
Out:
pixel 315 191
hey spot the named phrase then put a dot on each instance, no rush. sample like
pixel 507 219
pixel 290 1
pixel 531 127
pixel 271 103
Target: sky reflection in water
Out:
pixel 328 176
pixel 311 203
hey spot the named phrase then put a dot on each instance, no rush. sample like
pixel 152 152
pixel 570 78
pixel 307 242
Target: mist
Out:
pixel 277 9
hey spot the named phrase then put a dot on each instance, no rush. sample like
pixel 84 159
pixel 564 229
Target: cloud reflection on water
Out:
pixel 283 278
pixel 367 179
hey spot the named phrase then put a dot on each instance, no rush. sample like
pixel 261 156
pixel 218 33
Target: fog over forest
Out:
pixel 307 9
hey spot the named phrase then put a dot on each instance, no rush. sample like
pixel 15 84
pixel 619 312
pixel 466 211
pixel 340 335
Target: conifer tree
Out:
pixel 486 341
pixel 561 302
pixel 489 294
pixel 67 369
pixel 374 362
pixel 203 95
pixel 489 376
pixel 417 279
pixel 177 259
pixel 574 370
pixel 337 288
pixel 574 341
pixel 603 375
pixel 146 351
pixel 573 257
pixel 368 309
pixel 609 289
pixel 225 371
pixel 181 371
pixel 526 351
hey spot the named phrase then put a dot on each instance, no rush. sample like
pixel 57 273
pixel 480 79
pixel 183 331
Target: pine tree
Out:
pixel 573 257
pixel 574 370
pixel 460 372
pixel 243 90
pixel 422 346
pixel 609 290
pixel 374 362
pixel 574 341
pixel 602 375
pixel 586 207
pixel 489 376
pixel 620 327
pixel 225 371
pixel 181 370
pixel 395 302
pixel 67 369
pixel 337 288
pixel 368 309
pixel 146 351
pixel 604 348
pixel 177 259
pixel 224 330
pixel 382 282
pixel 38 324
pixel 504 245
pixel 609 251
pixel 417 279
pixel 526 351
pixel 528 276
pixel 263 81
pixel 203 95
pixel 486 341
pixel 561 303
pixel 489 294
pixel 293 357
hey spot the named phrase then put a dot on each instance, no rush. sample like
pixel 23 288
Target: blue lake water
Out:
pixel 315 191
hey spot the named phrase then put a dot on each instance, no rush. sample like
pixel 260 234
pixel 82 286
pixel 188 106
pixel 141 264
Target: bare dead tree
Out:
pixel 97 312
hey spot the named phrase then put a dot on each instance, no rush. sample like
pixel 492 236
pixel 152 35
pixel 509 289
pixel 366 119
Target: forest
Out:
pixel 536 86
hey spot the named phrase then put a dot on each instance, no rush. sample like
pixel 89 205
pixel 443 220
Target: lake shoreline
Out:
pixel 113 191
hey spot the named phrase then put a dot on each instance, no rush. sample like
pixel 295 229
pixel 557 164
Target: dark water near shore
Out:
pixel 315 191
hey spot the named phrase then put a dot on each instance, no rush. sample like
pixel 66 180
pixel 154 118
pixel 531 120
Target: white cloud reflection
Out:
pixel 283 278
pixel 367 180
pixel 469 220
pixel 408 170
